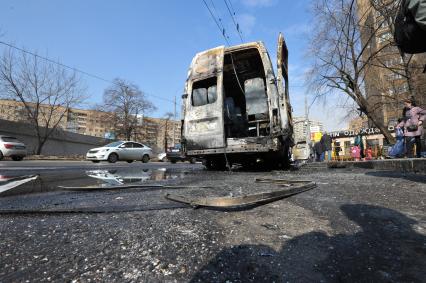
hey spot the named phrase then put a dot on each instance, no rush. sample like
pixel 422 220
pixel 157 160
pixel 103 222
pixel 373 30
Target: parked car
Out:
pixel 162 157
pixel 120 151
pixel 175 154
pixel 11 146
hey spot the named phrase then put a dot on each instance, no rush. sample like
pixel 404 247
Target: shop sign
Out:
pixel 365 132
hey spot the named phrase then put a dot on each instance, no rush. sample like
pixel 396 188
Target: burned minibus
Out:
pixel 235 109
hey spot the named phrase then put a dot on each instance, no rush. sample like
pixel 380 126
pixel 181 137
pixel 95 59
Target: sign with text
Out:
pixel 364 132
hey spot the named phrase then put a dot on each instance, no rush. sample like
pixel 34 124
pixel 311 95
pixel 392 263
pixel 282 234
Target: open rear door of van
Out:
pixel 204 121
pixel 282 78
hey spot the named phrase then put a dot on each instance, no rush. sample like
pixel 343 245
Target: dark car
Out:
pixel 175 154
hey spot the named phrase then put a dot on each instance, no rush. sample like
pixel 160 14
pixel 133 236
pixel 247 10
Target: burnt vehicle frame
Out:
pixel 235 109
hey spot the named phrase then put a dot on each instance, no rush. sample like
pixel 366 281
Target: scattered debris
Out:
pixel 292 187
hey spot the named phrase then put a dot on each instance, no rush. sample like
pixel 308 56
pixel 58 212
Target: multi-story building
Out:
pixel 358 123
pixel 155 132
pixel 386 82
pixel 158 132
pixel 300 127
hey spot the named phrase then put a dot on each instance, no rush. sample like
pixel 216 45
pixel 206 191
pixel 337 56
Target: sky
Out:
pixel 152 43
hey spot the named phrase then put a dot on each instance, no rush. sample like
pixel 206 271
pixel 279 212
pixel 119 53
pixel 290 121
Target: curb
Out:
pixel 414 165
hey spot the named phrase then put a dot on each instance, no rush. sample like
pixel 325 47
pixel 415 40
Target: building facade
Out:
pixel 154 132
pixel 389 77
pixel 300 127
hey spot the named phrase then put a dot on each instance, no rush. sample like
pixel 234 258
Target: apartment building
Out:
pixel 158 132
pixel 385 83
pixel 154 132
pixel 300 127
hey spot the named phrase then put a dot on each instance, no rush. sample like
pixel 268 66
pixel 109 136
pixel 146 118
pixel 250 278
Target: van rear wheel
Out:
pixel 215 164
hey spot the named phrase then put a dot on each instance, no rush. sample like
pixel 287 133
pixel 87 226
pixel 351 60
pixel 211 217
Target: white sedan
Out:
pixel 11 146
pixel 120 150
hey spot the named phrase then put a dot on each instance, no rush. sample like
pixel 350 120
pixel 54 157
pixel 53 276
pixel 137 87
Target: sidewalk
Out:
pixel 53 157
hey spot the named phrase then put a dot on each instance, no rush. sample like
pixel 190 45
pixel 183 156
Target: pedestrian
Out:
pixel 355 153
pixel 326 144
pixel 360 143
pixel 412 123
pixel 318 148
pixel 368 154
pixel 410 26
pixel 337 149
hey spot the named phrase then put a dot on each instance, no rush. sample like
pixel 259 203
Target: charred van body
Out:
pixel 235 109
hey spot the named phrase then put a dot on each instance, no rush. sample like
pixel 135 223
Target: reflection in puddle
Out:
pixel 117 177
pixel 7 183
pixel 87 180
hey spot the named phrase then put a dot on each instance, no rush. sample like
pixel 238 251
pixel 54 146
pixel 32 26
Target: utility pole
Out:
pixel 174 120
pixel 308 127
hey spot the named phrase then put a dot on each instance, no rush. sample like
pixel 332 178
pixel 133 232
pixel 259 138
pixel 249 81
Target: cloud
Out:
pixel 247 23
pixel 259 3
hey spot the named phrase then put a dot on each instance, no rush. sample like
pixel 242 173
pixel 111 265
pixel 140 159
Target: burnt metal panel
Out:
pixel 282 82
pixel 203 124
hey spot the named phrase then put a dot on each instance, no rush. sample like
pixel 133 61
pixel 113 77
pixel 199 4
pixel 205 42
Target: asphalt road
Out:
pixel 355 226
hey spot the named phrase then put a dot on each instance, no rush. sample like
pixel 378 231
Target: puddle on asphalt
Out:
pixel 118 177
pixel 95 178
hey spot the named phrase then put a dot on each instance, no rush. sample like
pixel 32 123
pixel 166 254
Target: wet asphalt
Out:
pixel 86 222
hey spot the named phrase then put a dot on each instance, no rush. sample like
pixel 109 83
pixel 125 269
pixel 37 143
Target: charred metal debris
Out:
pixel 285 187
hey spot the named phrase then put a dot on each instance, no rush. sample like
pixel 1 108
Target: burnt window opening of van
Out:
pixel 246 110
pixel 204 92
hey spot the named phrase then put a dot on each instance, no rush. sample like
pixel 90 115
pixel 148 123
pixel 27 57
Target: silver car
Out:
pixel 12 147
pixel 120 150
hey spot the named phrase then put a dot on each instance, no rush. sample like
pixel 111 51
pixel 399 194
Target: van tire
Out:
pixel 218 164
pixel 1 155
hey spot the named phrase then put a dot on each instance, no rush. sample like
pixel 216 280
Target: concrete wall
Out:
pixel 60 143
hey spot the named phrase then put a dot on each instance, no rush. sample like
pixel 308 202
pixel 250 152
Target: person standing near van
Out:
pixel 319 150
pixel 326 144
pixel 360 143
pixel 412 123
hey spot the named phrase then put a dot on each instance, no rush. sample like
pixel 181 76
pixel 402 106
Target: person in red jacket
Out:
pixel 412 123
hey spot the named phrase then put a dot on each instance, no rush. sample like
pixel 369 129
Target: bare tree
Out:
pixel 348 46
pixel 45 89
pixel 125 103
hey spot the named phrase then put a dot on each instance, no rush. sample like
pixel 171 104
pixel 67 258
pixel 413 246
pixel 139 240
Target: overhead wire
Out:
pixel 219 19
pixel 232 14
pixel 222 30
pixel 73 68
